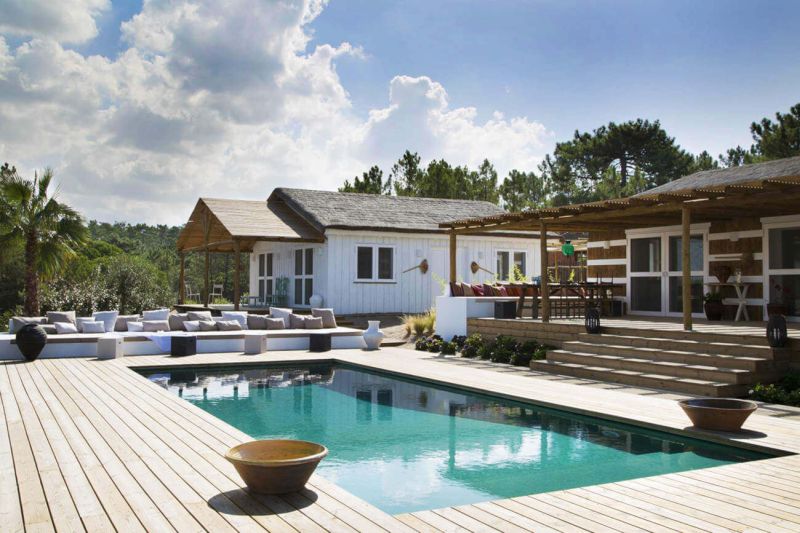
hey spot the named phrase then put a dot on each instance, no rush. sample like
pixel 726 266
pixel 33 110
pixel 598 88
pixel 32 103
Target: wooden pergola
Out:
pixel 755 191
pixel 235 226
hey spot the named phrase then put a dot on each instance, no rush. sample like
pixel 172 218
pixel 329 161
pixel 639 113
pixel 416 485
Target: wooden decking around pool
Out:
pixel 91 445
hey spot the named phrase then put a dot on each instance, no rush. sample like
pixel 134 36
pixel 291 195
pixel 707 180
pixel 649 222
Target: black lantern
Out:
pixel 592 320
pixel 31 339
pixel 776 331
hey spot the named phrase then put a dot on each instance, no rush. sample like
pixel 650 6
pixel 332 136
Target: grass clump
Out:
pixel 420 324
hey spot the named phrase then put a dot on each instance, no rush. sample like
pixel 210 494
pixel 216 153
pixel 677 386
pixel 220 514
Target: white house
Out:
pixel 361 253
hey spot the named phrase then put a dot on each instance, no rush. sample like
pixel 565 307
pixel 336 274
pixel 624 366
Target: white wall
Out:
pixel 283 264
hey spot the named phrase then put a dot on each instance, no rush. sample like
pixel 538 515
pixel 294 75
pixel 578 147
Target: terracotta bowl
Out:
pixel 719 414
pixel 276 466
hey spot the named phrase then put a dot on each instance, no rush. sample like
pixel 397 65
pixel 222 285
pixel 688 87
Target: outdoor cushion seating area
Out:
pixel 147 333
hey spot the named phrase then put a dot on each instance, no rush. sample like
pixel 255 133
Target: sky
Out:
pixel 141 107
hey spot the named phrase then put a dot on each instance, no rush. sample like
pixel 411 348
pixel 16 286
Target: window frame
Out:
pixel 511 263
pixel 375 260
pixel 304 276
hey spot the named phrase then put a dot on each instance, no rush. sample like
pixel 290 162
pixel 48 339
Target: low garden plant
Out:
pixel 785 392
pixel 502 349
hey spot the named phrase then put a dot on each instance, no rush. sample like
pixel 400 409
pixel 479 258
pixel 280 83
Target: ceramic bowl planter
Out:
pixel 31 340
pixel 718 414
pixel 373 336
pixel 276 466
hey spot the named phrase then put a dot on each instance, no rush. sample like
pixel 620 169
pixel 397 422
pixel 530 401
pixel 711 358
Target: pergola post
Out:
pixel 687 267
pixel 453 251
pixel 182 279
pixel 238 270
pixel 545 297
pixel 207 297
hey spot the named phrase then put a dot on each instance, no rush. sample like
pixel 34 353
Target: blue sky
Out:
pixel 248 95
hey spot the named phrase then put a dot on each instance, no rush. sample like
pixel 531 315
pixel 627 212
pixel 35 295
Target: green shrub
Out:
pixel 459 341
pixel 421 344
pixel 786 391
pixel 449 348
pixel 525 353
pixel 435 344
pixel 504 349
pixel 541 353
pixel 471 346
pixel 486 350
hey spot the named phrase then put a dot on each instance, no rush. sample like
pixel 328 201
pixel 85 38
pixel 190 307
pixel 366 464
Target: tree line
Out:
pixel 612 161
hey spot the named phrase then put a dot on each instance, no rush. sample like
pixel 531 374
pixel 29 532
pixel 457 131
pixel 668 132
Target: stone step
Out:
pixel 753 364
pixel 666 368
pixel 697 387
pixel 699 336
pixel 730 347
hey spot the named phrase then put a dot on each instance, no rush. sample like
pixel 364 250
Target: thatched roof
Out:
pixel 344 210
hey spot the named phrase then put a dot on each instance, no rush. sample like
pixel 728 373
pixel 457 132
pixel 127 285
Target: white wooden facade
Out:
pixel 334 269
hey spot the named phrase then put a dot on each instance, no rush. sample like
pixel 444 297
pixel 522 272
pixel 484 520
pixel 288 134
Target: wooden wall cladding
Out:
pixel 740 224
pixel 726 246
pixel 608 271
pixel 612 235
pixel 614 252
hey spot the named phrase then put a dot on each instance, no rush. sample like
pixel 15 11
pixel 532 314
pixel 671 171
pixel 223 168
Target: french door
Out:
pixel 655 272
pixel 303 276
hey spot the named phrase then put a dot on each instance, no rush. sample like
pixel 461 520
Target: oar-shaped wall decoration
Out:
pixel 422 266
pixel 475 267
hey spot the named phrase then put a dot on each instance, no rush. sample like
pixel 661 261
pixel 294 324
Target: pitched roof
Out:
pixel 779 168
pixel 344 210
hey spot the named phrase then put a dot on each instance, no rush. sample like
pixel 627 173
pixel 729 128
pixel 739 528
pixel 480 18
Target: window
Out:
pixel 266 277
pixel 303 275
pixel 374 263
pixel 506 261
pixel 783 268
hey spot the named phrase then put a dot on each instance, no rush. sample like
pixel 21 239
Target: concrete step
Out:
pixel 730 347
pixel 753 364
pixel 698 387
pixel 667 368
pixel 760 340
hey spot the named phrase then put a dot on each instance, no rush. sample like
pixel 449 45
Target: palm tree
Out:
pixel 48 230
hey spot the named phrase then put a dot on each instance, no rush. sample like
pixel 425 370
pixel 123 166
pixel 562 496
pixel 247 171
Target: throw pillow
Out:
pixel 502 290
pixel 313 322
pixel 155 314
pixel 176 321
pixel 239 316
pixel 456 289
pixel 50 329
pixel 155 325
pixel 60 316
pixel 65 327
pixel 327 316
pixel 467 289
pixel 297 322
pixel 191 325
pixel 488 290
pixel 275 323
pixel 256 322
pixel 477 290
pixel 108 318
pixel 208 325
pixel 277 312
pixel 79 321
pixel 135 326
pixel 93 327
pixel 229 325
pixel 17 322
pixel 199 315
pixel 121 323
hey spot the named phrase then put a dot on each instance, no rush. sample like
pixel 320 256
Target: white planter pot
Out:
pixel 315 301
pixel 373 336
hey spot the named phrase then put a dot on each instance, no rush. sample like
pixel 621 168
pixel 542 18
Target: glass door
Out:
pixel 303 276
pixel 646 284
pixel 675 273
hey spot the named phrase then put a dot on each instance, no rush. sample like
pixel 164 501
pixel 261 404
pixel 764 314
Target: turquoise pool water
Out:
pixel 406 445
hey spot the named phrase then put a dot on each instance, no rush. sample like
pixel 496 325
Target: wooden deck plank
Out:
pixel 580 516
pixel 35 511
pixel 634 520
pixel 415 523
pixel 543 519
pixel 438 522
pixel 489 519
pixel 10 507
pixel 509 516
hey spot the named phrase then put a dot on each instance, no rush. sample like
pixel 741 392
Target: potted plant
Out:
pixel 779 306
pixel 713 305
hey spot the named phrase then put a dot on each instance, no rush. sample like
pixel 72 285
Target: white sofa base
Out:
pixel 452 312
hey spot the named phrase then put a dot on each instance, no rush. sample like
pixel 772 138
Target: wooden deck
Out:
pixel 91 445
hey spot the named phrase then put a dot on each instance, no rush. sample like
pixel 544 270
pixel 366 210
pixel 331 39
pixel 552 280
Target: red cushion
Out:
pixel 477 290
pixel 467 290
pixel 456 289
pixel 512 290
pixel 503 290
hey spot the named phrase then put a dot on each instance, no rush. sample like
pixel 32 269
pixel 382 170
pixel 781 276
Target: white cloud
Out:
pixel 67 21
pixel 223 100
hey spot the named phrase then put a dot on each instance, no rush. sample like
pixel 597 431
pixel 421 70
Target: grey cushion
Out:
pixel 297 322
pixel 135 326
pixel 256 322
pixel 65 327
pixel 50 329
pixel 277 312
pixel 313 322
pixel 239 316
pixel 155 325
pixel 199 315
pixel 79 321
pixel 60 316
pixel 208 325
pixel 229 325
pixel 121 323
pixel 176 321
pixel 93 327
pixel 155 314
pixel 191 325
pixel 327 316
pixel 108 318
pixel 17 322
pixel 275 323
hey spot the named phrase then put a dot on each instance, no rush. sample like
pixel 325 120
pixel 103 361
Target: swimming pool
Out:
pixel 407 445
